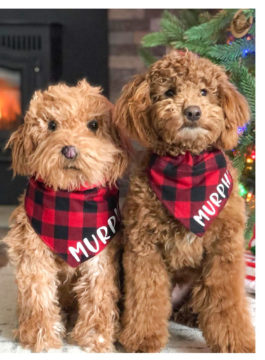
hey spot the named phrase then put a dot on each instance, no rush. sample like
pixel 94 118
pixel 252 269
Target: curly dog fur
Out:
pixel 158 249
pixel 46 284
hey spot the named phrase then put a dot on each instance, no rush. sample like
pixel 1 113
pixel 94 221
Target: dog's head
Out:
pixel 68 138
pixel 183 103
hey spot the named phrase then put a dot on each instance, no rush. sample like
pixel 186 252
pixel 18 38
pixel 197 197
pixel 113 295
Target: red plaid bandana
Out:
pixel 193 188
pixel 75 225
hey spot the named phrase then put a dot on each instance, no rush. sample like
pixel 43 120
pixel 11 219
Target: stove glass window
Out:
pixel 10 98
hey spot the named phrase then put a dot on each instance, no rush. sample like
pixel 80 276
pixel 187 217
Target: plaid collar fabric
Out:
pixel 193 188
pixel 75 225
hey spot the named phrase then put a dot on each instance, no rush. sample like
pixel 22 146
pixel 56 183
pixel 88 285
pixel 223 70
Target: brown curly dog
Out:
pixel 68 140
pixel 182 105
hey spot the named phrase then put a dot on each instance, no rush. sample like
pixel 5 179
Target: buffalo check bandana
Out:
pixel 75 225
pixel 193 188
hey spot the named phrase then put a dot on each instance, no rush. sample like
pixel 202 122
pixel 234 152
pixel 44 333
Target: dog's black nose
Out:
pixel 69 152
pixel 192 113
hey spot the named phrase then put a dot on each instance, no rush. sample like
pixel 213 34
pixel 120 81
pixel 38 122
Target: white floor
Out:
pixel 5 212
pixel 182 338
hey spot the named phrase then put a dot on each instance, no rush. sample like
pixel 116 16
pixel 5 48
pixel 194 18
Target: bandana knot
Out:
pixel 75 225
pixel 193 188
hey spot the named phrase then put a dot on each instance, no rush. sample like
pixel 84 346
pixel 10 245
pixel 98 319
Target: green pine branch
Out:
pixel 239 163
pixel 250 224
pixel 154 39
pixel 245 83
pixel 190 17
pixel 171 26
pixel 204 17
pixel 246 140
pixel 147 57
pixel 210 31
pixel 249 12
pixel 252 29
pixel 231 52
pixel 200 49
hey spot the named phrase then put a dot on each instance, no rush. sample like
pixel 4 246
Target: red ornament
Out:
pixel 230 39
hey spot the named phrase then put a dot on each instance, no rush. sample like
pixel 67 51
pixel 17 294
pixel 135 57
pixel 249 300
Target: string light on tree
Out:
pixel 249 196
pixel 249 160
pixel 242 190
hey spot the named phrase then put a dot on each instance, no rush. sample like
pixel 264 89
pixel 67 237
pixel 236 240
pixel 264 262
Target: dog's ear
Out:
pixel 16 143
pixel 122 142
pixel 21 146
pixel 21 142
pixel 236 113
pixel 131 109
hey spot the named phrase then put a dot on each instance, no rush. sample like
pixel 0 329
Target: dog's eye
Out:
pixel 93 125
pixel 170 93
pixel 52 125
pixel 204 92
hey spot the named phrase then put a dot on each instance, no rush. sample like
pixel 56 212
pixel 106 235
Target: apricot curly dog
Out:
pixel 184 220
pixel 74 154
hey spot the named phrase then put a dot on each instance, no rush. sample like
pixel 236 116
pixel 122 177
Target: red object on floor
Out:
pixel 250 279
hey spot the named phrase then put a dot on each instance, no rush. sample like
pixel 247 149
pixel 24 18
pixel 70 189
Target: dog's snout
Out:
pixel 192 113
pixel 69 152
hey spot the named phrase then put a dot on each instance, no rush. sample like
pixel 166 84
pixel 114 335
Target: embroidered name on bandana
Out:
pixel 193 188
pixel 75 225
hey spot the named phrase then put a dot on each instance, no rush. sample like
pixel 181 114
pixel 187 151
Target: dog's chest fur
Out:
pixel 180 248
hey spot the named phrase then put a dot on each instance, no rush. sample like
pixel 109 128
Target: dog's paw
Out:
pixel 133 343
pixel 129 340
pixel 233 340
pixel 233 347
pixel 98 344
pixel 41 338
pixel 151 344
pixel 92 342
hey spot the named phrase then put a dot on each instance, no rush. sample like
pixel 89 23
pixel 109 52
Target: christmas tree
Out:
pixel 227 38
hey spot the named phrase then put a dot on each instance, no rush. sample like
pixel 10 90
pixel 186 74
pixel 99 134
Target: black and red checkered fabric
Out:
pixel 193 188
pixel 75 225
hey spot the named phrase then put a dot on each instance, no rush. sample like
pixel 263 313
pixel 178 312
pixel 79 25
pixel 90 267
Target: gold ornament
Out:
pixel 240 25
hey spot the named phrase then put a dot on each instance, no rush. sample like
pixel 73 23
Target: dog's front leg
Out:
pixel 97 294
pixel 147 301
pixel 39 320
pixel 220 299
